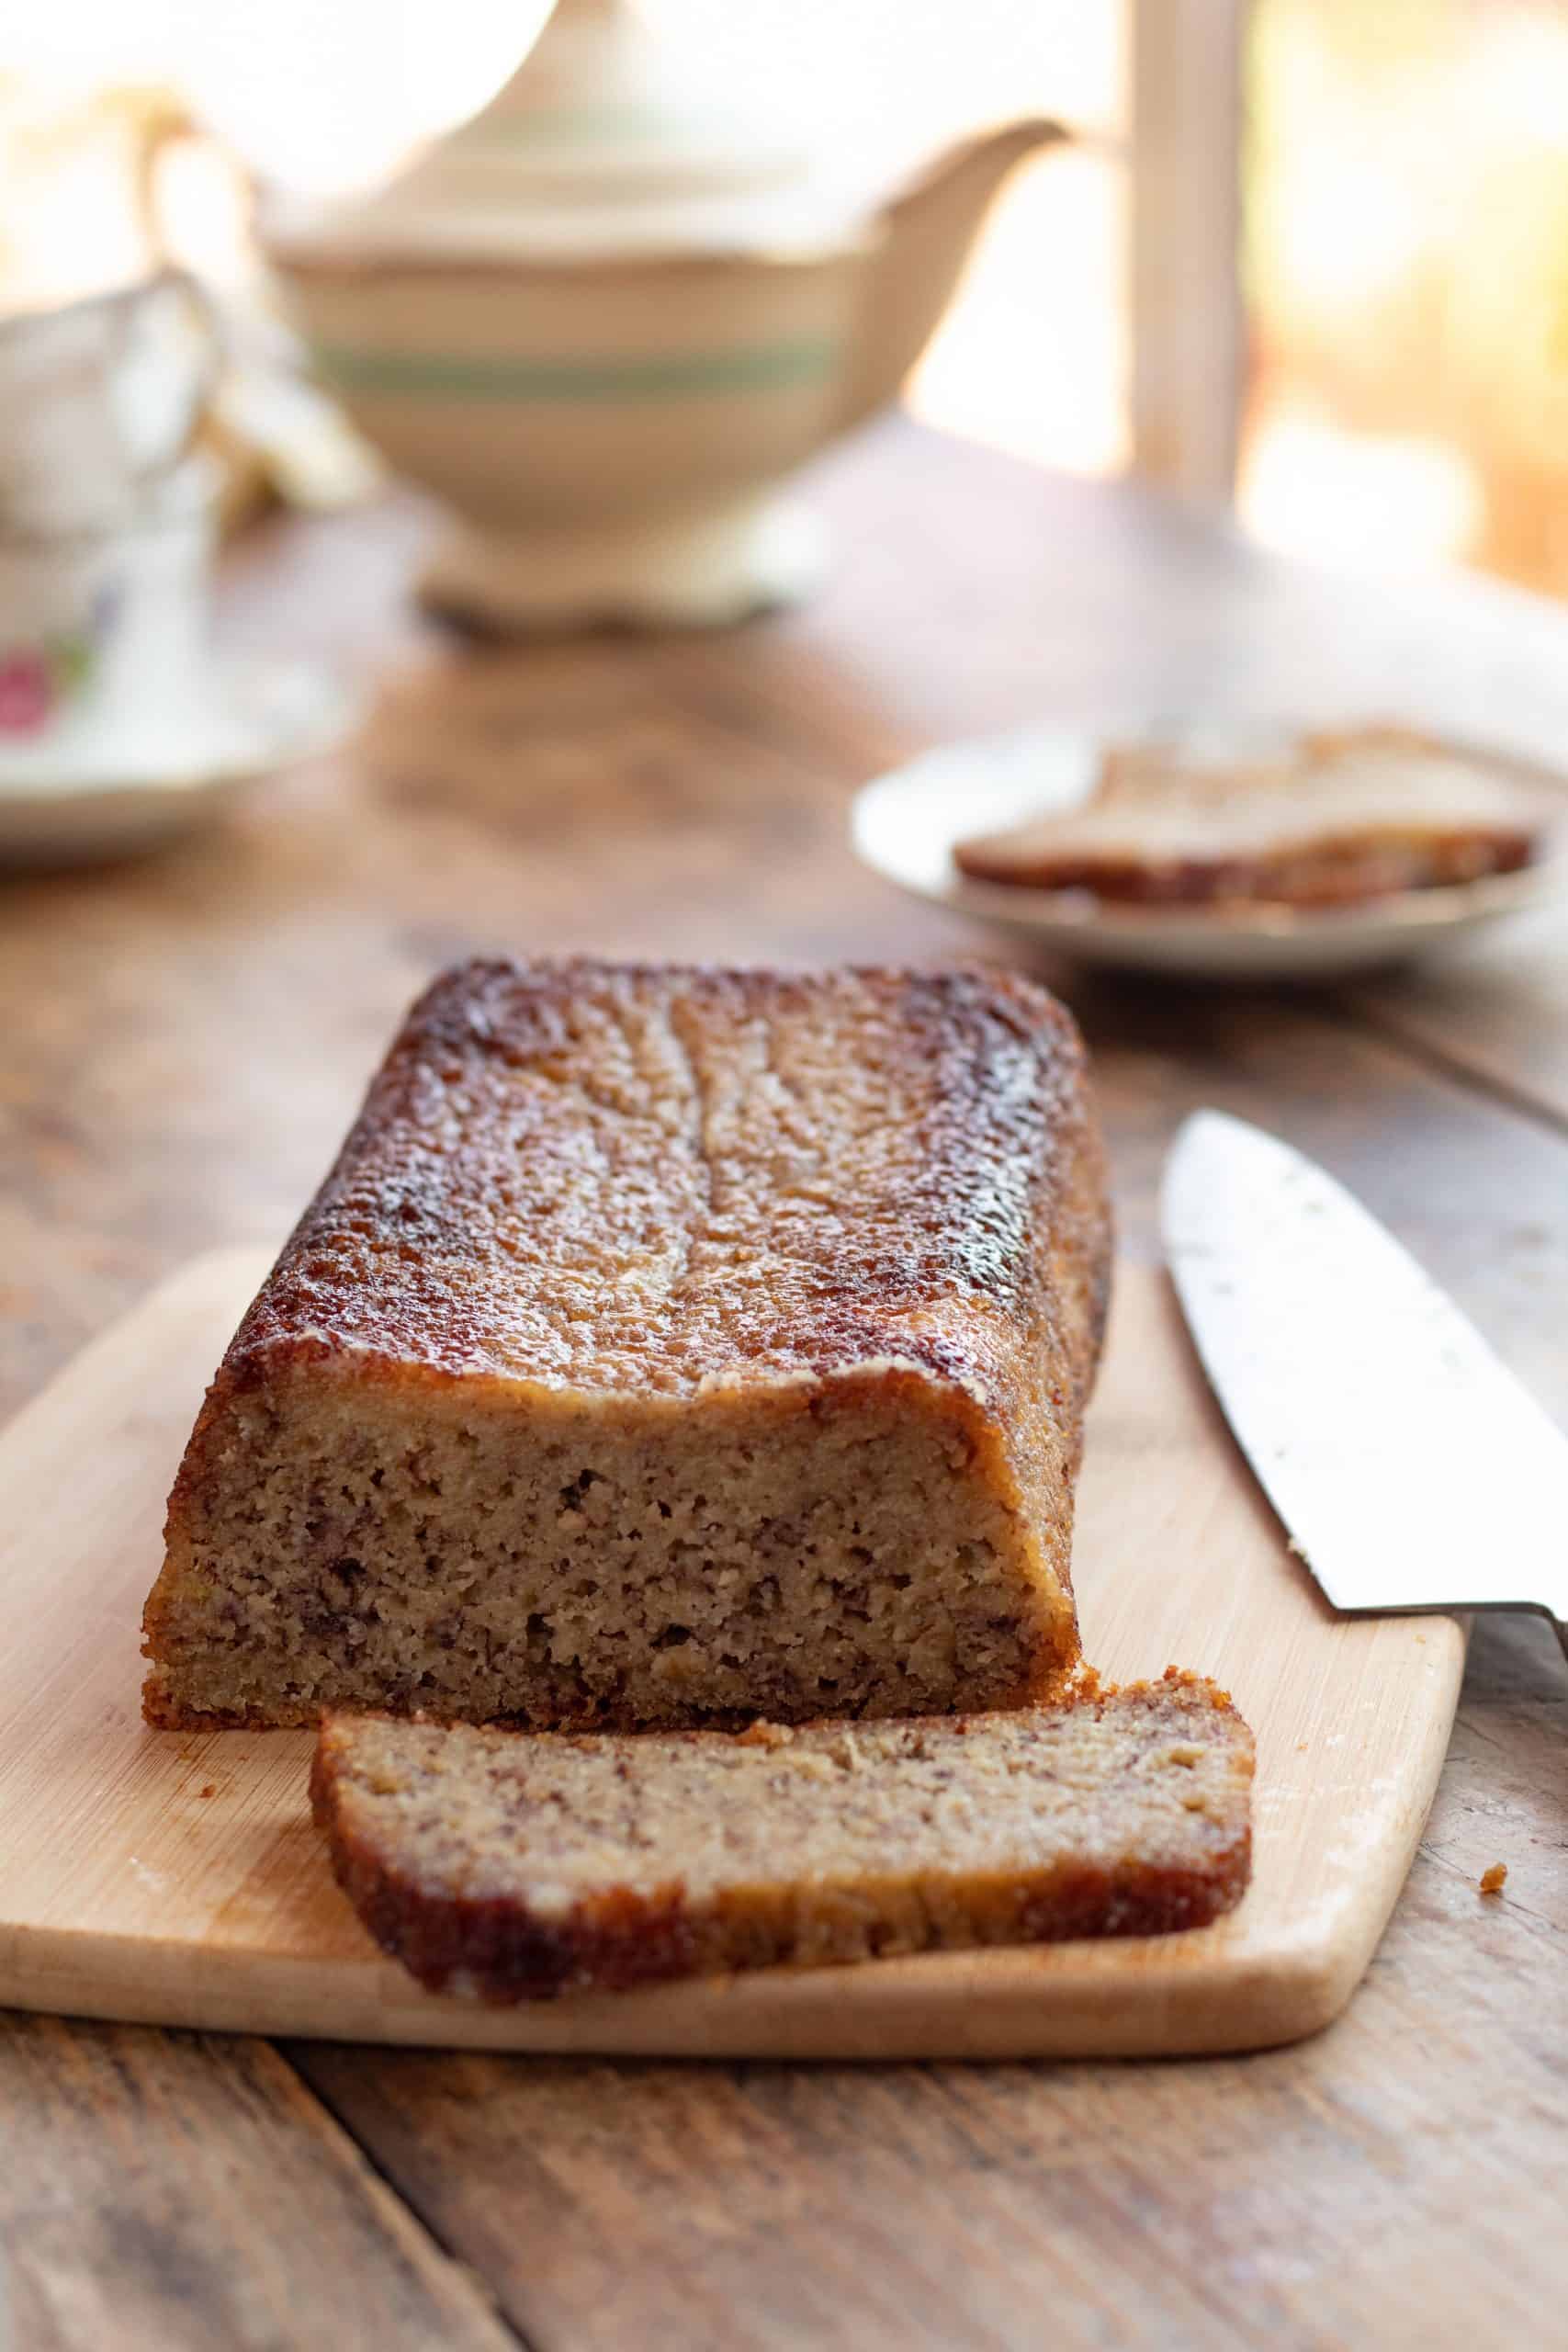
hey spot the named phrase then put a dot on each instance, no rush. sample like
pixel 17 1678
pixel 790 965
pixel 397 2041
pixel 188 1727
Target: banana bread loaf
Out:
pixel 515 1865
pixel 667 1346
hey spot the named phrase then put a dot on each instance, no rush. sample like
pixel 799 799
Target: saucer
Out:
pixel 161 782
pixel 906 823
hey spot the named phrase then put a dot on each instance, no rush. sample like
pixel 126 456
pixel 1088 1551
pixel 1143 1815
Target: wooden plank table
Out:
pixel 182 1044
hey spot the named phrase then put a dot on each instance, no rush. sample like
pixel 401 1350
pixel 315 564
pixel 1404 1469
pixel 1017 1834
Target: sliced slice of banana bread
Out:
pixel 514 1866
pixel 667 1346
pixel 1326 821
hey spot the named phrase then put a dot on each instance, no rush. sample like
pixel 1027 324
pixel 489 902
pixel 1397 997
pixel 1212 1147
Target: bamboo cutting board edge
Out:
pixel 174 1879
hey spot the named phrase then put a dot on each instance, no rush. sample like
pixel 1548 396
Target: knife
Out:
pixel 1411 1469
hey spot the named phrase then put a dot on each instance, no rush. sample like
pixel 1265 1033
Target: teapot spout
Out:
pixel 927 229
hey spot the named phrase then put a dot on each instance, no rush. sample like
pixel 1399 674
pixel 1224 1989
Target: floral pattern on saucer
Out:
pixel 37 680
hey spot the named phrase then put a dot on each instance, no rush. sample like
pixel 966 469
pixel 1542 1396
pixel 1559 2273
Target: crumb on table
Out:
pixel 1495 1878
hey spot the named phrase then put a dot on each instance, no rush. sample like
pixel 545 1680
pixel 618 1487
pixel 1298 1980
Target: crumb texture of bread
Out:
pixel 1324 820
pixel 668 1346
pixel 512 1866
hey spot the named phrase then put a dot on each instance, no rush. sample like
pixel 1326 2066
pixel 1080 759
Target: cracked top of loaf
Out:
pixel 607 1177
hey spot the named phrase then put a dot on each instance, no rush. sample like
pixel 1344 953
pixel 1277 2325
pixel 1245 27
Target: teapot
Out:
pixel 607 320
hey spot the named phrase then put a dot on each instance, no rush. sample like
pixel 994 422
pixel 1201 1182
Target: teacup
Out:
pixel 99 401
pixel 104 658
pixel 105 529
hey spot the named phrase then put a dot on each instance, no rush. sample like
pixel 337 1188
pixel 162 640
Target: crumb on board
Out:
pixel 1495 1878
pixel 209 1789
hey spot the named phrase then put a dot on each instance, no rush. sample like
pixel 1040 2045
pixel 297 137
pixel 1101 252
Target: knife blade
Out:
pixel 1410 1467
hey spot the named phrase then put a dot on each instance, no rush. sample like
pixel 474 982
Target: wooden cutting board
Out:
pixel 177 1879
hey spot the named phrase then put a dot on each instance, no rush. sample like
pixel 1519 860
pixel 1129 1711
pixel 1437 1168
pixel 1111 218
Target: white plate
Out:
pixel 905 826
pixel 261 718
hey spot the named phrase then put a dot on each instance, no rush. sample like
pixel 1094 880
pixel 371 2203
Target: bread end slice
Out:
pixel 509 1866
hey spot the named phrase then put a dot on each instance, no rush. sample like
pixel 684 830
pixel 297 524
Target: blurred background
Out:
pixel 1312 252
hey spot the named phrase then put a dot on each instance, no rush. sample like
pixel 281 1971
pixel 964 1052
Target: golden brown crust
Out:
pixel 472 1143
pixel 474 1911
pixel 771 1194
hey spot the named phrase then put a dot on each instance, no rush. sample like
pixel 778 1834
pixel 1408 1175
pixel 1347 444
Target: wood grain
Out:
pixel 1497 1020
pixel 177 1879
pixel 171 2195
pixel 182 1044
pixel 1364 2189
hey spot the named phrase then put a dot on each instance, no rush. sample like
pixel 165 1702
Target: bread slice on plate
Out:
pixel 513 1866
pixel 667 1346
pixel 1327 820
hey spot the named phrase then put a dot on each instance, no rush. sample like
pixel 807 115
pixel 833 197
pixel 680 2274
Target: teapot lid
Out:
pixel 608 138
